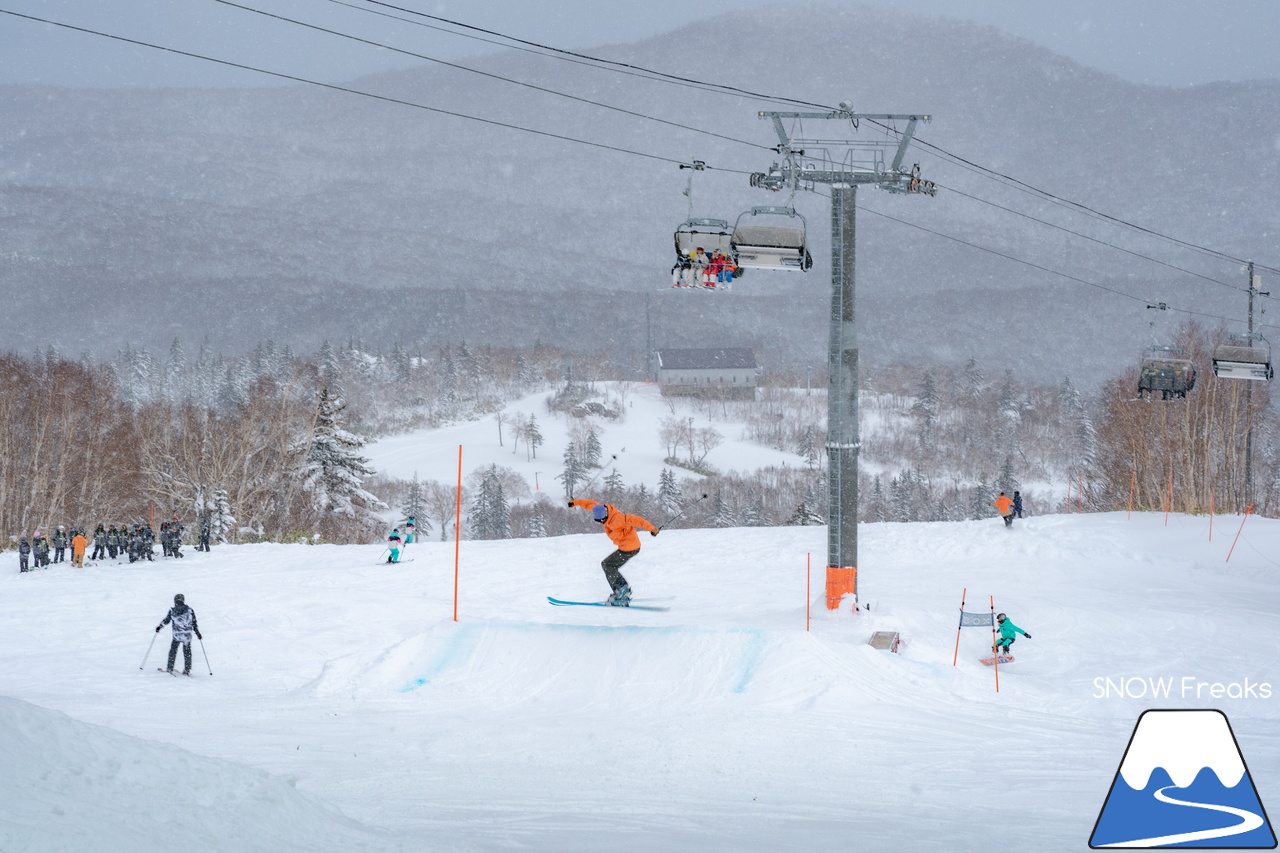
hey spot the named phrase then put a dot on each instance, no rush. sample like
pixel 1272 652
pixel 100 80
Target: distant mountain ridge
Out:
pixel 304 214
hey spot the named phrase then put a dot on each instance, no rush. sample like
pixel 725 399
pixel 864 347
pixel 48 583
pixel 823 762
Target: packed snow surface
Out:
pixel 348 711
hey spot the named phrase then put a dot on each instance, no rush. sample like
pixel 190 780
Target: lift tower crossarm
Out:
pixel 787 144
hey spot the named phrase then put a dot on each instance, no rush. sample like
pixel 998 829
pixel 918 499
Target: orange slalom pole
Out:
pixel 963 596
pixel 1248 510
pixel 457 535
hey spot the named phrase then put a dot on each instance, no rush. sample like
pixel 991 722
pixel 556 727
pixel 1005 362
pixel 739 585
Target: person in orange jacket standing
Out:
pixel 1004 506
pixel 621 528
pixel 78 544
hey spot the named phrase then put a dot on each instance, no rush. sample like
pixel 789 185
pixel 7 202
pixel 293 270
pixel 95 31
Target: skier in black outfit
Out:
pixel 113 542
pixel 183 619
pixel 41 546
pixel 1017 504
pixel 204 533
pixel 99 543
pixel 24 553
pixel 59 544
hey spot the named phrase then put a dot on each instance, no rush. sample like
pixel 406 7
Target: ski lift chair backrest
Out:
pixel 776 245
pixel 712 235
pixel 1242 358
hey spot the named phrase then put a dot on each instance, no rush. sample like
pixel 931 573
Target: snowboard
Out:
pixel 1002 659
pixel 560 603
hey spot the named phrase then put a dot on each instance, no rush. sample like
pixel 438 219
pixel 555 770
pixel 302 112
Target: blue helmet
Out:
pixel 599 512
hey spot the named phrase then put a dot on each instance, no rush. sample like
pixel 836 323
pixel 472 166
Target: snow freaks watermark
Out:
pixel 1173 687
pixel 1183 782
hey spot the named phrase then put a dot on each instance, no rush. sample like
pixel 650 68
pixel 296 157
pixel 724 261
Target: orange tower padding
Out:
pixel 840 581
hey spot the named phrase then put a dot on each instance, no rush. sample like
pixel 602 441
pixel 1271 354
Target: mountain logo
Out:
pixel 1183 783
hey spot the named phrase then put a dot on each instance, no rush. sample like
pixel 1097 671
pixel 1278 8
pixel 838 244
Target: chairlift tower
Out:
pixel 842 163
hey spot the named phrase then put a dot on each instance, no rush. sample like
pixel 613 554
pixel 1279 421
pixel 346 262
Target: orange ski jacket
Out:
pixel 619 526
pixel 1003 505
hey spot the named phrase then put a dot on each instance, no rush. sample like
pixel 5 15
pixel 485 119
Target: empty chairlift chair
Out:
pixel 699 243
pixel 1243 357
pixel 771 238
pixel 1168 370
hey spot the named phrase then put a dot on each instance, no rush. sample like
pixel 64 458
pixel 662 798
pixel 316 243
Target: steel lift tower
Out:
pixel 842 163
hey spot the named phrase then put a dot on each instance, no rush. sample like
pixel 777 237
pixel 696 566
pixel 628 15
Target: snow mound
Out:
pixel 72 786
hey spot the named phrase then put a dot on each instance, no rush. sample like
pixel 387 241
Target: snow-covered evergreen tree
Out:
pixel 926 410
pixel 332 469
pixel 574 472
pixel 670 495
pixel 222 523
pixel 532 436
pixel 1007 482
pixel 591 449
pixel 614 488
pixel 490 516
pixel 722 514
pixel 538 521
pixel 415 506
pixel 753 514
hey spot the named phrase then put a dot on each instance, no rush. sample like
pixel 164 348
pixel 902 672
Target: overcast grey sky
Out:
pixel 1159 42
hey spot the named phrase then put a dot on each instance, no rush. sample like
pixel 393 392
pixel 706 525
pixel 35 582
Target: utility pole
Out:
pixel 842 164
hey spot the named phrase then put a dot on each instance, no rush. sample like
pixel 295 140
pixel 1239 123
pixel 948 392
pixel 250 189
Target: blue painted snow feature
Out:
pixel 458 648
pixel 752 652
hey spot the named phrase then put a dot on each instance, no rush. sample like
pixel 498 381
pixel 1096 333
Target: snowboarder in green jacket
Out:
pixel 1008 633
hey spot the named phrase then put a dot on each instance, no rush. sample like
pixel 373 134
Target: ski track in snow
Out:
pixel 720 724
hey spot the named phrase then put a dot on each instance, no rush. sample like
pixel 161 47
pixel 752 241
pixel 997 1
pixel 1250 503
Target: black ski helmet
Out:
pixel 1000 617
pixel 178 599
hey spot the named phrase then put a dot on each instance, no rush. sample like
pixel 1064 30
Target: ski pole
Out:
pixel 148 654
pixel 688 507
pixel 613 458
pixel 206 655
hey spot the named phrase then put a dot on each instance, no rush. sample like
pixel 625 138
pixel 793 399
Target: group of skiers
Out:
pixel 114 542
pixel 700 268
pixel 397 542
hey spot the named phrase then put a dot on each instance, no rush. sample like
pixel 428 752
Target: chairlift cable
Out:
pixel 348 90
pixel 490 75
pixel 941 151
pixel 733 90
pixel 1090 239
pixel 1041 267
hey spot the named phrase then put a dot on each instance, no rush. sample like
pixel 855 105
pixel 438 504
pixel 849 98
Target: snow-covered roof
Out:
pixel 720 358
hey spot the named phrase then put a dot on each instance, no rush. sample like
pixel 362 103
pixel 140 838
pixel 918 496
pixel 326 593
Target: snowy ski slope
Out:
pixel 349 712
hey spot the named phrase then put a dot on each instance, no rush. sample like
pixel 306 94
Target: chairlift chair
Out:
pixel 1166 369
pixel 1243 357
pixel 771 242
pixel 698 242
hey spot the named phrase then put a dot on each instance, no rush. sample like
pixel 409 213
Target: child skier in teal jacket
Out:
pixel 1008 633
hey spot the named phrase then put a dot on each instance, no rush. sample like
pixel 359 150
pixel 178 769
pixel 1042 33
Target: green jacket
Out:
pixel 1008 629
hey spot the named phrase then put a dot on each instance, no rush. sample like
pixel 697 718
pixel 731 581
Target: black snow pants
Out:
pixel 186 654
pixel 612 563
